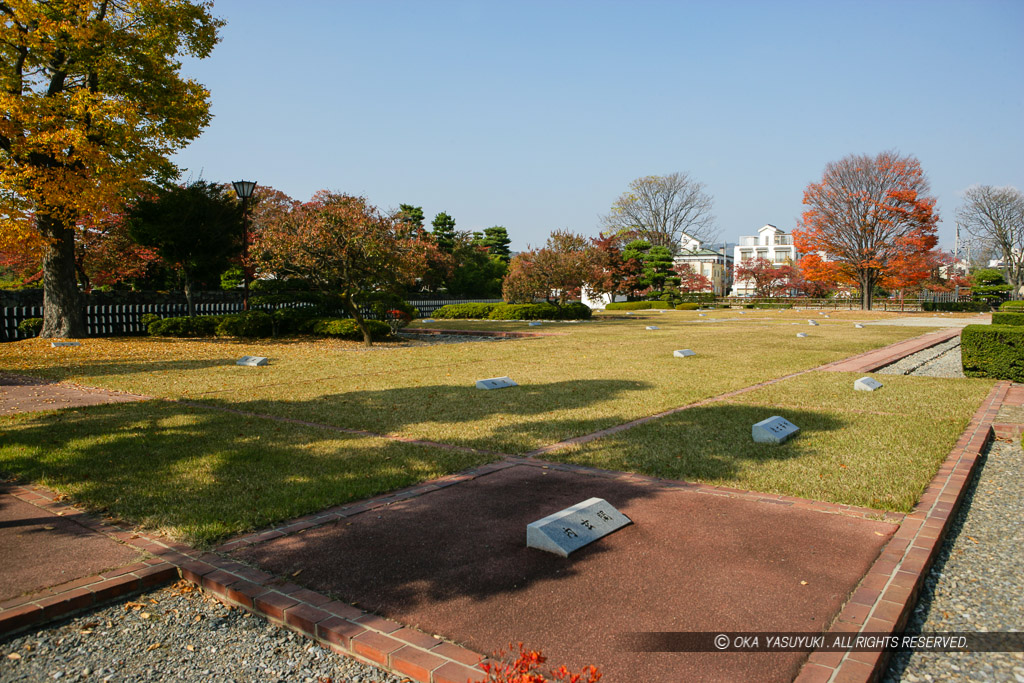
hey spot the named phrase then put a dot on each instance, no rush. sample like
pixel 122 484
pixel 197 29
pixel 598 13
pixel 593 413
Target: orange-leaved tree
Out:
pixel 342 245
pixel 91 104
pixel 869 216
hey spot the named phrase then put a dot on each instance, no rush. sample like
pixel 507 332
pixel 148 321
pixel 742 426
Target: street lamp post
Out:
pixel 244 189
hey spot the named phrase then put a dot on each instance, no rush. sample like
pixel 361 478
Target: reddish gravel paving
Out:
pixel 26 394
pixel 454 562
pixel 39 549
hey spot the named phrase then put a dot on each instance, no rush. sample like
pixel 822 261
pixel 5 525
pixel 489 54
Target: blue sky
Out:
pixel 537 115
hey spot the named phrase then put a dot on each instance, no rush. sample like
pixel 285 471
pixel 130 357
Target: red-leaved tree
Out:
pixel 692 281
pixel 769 279
pixel 341 244
pixel 870 216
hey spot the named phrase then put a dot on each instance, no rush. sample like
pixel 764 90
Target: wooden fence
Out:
pixel 115 320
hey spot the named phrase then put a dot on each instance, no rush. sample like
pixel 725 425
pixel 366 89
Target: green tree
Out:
pixel 495 240
pixel 93 104
pixel 196 227
pixel 444 232
pixel 656 265
pixel 477 273
pixel 411 216
pixel 990 286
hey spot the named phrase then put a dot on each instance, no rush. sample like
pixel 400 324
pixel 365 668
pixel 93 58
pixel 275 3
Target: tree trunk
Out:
pixel 189 293
pixel 63 315
pixel 867 285
pixel 353 309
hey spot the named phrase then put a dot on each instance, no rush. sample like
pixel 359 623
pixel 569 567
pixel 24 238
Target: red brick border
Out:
pixel 888 592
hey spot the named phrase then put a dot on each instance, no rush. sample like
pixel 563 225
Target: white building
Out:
pixel 770 243
pixel 716 266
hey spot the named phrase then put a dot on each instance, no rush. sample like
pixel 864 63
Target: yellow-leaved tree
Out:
pixel 92 105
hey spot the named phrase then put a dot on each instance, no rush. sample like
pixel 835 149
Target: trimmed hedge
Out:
pixel 630 305
pixel 687 306
pixel 199 326
pixel 346 328
pixel 250 325
pixel 956 306
pixel 453 311
pixel 1015 306
pixel 1004 318
pixel 545 311
pixel 995 351
pixel 30 327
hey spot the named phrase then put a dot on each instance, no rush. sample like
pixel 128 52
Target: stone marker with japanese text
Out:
pixel 574 527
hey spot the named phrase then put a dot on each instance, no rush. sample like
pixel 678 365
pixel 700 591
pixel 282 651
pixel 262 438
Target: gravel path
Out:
pixel 175 634
pixel 941 360
pixel 976 582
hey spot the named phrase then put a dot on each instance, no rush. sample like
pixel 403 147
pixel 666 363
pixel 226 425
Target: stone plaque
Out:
pixel 812 322
pixel 683 353
pixel 428 320
pixel 629 312
pixel 859 326
pixel 252 361
pixel 58 344
pixel 535 324
pixel 651 327
pixel 495 383
pixel 774 430
pixel 702 315
pixel 867 384
pixel 574 527
pixel 801 334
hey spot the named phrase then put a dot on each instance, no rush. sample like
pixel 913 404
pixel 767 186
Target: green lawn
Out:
pixel 206 474
pixel 873 449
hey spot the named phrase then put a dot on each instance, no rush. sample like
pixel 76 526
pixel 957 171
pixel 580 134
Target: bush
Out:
pixel 688 306
pixel 147 319
pixel 1015 306
pixel 293 320
pixel 199 326
pixel 452 311
pixel 250 325
pixel 385 304
pixel 543 311
pixel 969 306
pixel 346 328
pixel 30 327
pixel 629 306
pixel 772 305
pixel 995 351
pixel 1004 318
pixel 576 311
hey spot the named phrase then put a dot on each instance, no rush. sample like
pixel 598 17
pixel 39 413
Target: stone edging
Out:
pixel 886 596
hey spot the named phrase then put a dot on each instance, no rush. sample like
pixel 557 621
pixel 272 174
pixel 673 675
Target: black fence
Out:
pixel 117 320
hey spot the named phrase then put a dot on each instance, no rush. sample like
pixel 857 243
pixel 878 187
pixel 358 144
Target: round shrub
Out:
pixel 30 327
pixel 292 320
pixel 346 328
pixel 687 306
pixel 576 311
pixel 249 325
pixel 147 319
pixel 628 305
pixel 1012 306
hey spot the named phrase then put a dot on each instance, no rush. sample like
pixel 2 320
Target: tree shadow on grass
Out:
pixel 705 443
pixel 511 420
